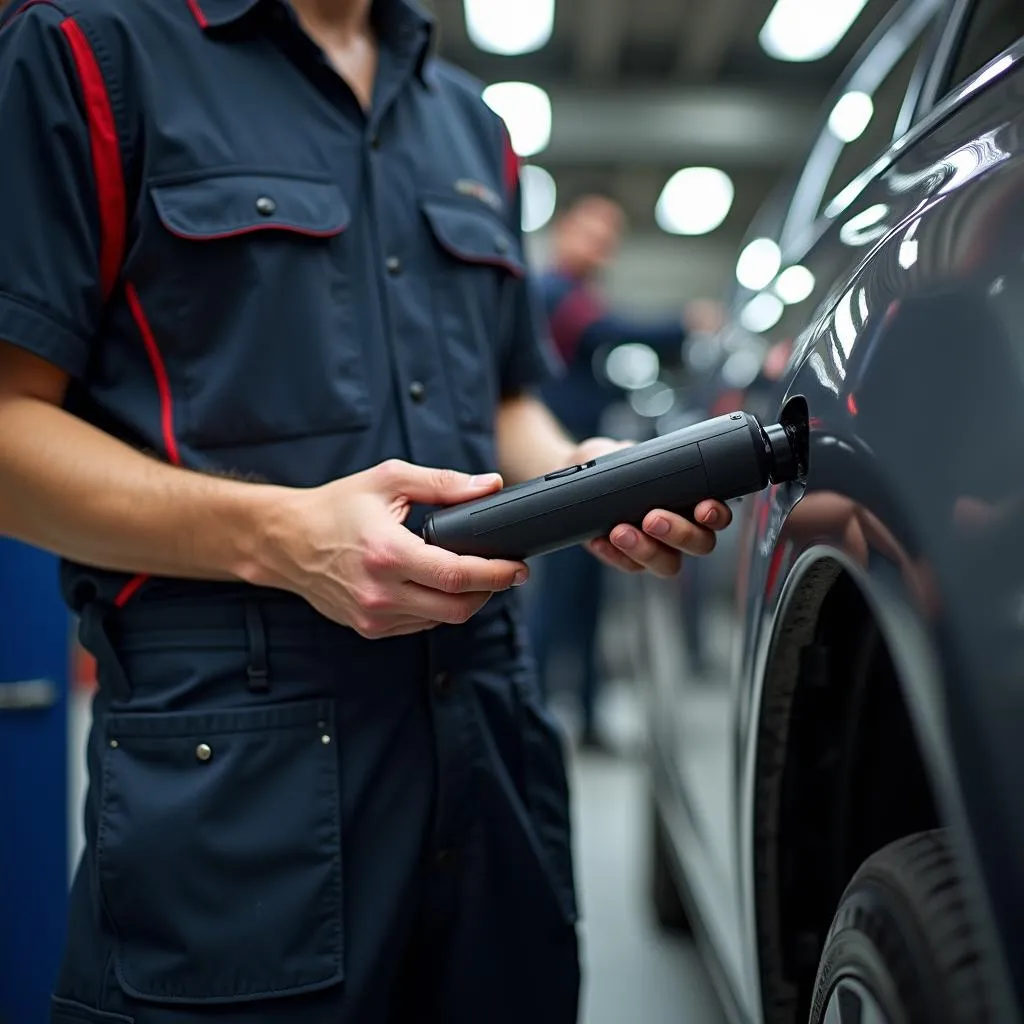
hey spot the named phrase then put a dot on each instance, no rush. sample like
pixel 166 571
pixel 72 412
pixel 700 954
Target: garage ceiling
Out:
pixel 640 88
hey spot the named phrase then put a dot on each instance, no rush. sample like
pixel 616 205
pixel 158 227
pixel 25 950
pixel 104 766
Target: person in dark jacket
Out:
pixel 586 240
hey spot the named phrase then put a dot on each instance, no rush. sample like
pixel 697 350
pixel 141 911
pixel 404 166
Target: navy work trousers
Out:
pixel 287 823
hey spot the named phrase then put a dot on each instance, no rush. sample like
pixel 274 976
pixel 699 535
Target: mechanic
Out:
pixel 565 609
pixel 263 298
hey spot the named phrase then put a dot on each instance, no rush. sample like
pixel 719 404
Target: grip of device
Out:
pixel 721 458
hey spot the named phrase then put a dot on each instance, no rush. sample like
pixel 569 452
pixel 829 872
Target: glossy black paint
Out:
pixel 909 355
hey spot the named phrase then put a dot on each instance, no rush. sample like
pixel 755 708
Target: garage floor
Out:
pixel 634 973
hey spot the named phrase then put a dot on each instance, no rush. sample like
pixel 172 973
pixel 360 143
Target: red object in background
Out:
pixel 726 402
pixel 83 668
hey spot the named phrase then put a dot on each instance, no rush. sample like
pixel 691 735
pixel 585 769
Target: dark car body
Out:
pixel 866 673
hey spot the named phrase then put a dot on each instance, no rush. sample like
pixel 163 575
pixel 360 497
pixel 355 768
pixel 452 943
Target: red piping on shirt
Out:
pixel 106 155
pixel 511 163
pixel 197 13
pixel 127 592
pixel 163 387
pixel 290 229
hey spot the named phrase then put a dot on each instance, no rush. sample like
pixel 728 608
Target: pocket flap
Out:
pixel 222 206
pixel 474 236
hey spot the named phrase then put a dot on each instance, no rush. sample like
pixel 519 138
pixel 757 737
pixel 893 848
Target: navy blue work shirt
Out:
pixel 242 270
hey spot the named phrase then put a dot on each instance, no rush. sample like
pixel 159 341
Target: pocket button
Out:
pixel 265 206
pixel 203 752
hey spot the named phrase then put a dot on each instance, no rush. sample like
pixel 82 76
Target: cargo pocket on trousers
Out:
pixel 546 791
pixel 219 853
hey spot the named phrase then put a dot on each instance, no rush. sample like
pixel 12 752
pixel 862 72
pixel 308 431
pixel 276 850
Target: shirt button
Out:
pixel 374 141
pixel 265 206
pixel 417 392
pixel 443 683
pixel 394 265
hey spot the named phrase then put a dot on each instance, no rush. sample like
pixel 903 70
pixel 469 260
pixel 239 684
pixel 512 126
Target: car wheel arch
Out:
pixel 822 589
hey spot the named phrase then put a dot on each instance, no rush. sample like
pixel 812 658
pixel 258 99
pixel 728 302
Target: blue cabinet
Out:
pixel 34 671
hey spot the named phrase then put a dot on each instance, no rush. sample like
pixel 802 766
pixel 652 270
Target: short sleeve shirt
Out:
pixel 244 271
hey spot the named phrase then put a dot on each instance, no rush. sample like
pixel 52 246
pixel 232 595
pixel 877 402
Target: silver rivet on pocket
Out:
pixel 203 752
pixel 325 739
pixel 265 206
pixel 113 744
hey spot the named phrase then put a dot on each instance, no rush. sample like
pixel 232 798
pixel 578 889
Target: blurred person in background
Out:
pixel 566 607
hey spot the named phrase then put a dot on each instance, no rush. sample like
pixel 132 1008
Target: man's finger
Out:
pixel 433 605
pixel 713 514
pixel 655 557
pixel 438 569
pixel 604 550
pixel 430 486
pixel 679 533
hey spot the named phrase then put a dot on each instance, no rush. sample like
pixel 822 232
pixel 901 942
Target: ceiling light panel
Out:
pixel 695 201
pixel 526 111
pixel 509 27
pixel 804 30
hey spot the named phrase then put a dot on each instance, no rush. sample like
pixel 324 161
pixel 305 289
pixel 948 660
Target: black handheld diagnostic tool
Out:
pixel 721 458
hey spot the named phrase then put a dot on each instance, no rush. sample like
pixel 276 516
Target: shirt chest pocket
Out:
pixel 477 263
pixel 256 308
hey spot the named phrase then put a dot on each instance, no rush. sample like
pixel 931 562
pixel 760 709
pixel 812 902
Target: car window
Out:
pixel 991 27
pixel 887 103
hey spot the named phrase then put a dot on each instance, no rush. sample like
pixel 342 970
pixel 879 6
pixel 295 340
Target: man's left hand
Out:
pixel 665 537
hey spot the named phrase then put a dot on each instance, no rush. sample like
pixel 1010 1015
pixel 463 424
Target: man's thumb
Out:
pixel 430 486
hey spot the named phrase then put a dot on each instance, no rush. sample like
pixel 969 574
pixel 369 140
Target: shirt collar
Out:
pixel 402 25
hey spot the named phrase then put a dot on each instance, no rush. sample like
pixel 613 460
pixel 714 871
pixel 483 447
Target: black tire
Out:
pixel 667 904
pixel 902 936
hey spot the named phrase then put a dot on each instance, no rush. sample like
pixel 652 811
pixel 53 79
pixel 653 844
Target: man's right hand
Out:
pixel 343 547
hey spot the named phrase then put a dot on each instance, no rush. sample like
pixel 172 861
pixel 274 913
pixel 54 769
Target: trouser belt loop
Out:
pixel 94 631
pixel 259 679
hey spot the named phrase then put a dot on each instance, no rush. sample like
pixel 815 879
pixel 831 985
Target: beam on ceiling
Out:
pixel 599 30
pixel 707 35
pixel 737 126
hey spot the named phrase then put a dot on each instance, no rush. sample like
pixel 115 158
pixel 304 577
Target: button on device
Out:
pixel 559 473
pixel 394 265
pixel 417 392
pixel 265 206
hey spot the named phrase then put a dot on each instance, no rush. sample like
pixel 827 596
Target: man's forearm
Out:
pixel 71 489
pixel 531 441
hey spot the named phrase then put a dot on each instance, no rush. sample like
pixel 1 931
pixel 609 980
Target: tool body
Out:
pixel 723 458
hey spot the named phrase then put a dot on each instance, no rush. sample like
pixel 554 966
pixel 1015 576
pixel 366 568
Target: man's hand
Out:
pixel 657 548
pixel 344 549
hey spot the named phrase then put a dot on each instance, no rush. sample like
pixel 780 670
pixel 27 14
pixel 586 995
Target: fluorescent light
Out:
pixel 526 111
pixel 509 27
pixel 539 196
pixel 762 312
pixel 851 115
pixel 794 284
pixel 801 30
pixel 758 264
pixel 694 201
